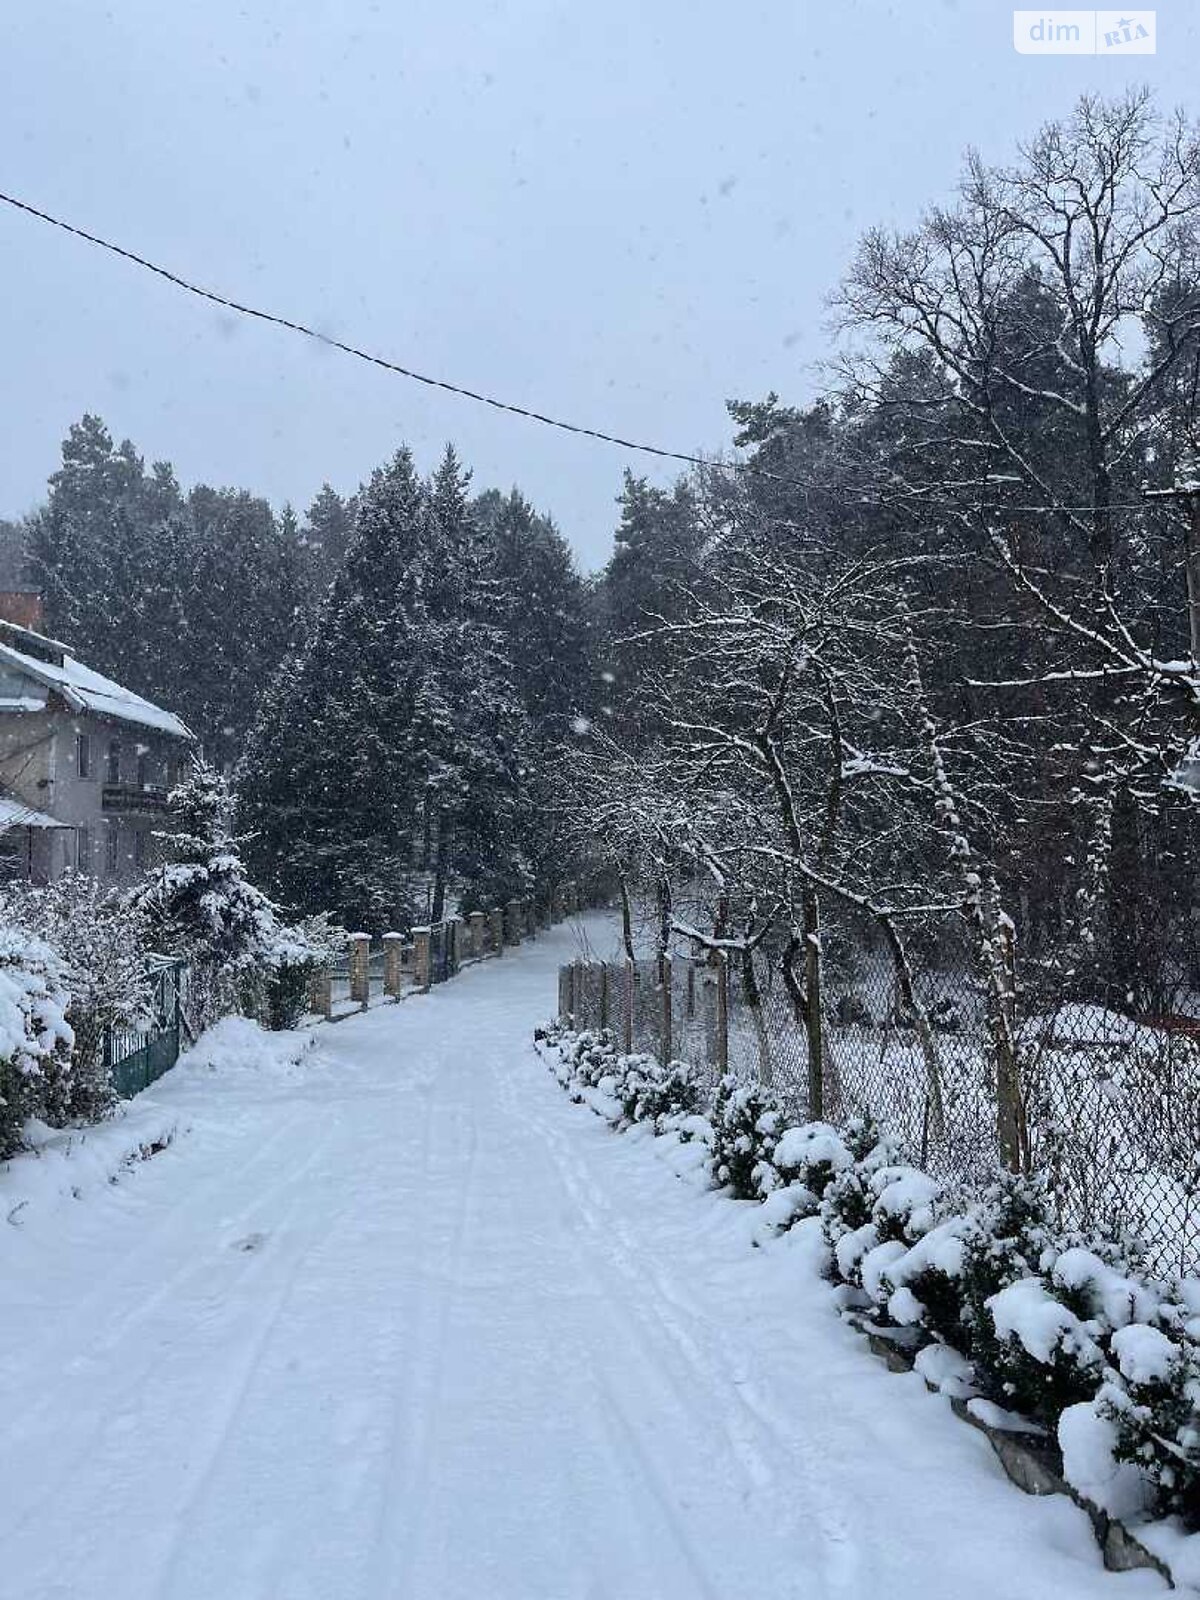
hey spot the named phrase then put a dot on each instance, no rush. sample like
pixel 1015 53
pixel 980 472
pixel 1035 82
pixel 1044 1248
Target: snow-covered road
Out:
pixel 404 1322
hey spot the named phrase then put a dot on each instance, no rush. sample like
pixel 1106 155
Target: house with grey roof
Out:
pixel 85 765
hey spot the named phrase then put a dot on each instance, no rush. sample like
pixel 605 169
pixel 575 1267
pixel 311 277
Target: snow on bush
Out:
pixel 101 943
pixel 746 1124
pixel 629 1089
pixel 35 1037
pixel 812 1155
pixel 291 956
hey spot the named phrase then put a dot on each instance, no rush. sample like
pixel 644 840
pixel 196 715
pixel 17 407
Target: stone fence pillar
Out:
pixel 496 930
pixel 477 923
pixel 422 969
pixel 360 968
pixel 321 993
pixel 393 959
pixel 512 922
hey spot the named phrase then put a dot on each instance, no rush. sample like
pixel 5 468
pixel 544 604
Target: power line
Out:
pixel 444 384
pixel 381 361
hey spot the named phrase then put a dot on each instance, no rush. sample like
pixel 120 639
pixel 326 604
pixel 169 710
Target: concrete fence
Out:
pixel 388 969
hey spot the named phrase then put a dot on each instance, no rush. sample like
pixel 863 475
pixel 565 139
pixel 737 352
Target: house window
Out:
pixel 83 849
pixel 83 755
pixel 113 772
pixel 112 858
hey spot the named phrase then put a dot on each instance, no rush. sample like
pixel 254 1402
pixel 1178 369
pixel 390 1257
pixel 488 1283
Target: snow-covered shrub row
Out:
pixel 1066 1331
pixel 628 1089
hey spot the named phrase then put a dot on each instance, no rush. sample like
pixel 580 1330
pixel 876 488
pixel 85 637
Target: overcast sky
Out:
pixel 623 212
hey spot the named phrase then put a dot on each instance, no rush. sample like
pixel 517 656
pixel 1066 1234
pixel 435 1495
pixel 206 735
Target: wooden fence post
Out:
pixel 422 972
pixel 360 968
pixel 722 1013
pixel 393 945
pixel 627 1018
pixel 665 970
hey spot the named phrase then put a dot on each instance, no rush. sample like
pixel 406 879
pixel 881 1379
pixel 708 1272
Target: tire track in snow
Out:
pixel 125 1381
pixel 418 1475
pixel 749 1428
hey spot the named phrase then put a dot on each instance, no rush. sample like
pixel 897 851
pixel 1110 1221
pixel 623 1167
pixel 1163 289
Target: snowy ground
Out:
pixel 398 1320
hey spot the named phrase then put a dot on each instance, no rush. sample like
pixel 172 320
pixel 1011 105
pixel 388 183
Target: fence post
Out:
pixel 604 994
pixel 563 997
pixel 392 943
pixel 422 974
pixel 512 922
pixel 665 971
pixel 322 999
pixel 477 924
pixel 360 968
pixel 627 1019
pixel 722 1013
pixel 814 1010
pixel 454 930
pixel 496 929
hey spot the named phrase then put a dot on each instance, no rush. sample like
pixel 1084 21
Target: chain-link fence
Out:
pixel 1105 1105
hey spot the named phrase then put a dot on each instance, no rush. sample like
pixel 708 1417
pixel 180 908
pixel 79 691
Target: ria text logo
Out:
pixel 1084 33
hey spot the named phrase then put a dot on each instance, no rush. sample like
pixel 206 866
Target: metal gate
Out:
pixel 135 1057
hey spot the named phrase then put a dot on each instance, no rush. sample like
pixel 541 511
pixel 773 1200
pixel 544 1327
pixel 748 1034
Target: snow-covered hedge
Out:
pixel 101 943
pixel 1068 1332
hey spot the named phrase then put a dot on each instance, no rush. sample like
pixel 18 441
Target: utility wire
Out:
pixel 546 420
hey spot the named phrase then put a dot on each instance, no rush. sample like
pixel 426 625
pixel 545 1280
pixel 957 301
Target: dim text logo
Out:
pixel 1084 33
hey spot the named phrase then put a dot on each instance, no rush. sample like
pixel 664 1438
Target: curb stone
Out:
pixel 1034 1465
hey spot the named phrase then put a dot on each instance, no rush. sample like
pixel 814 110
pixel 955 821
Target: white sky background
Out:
pixel 623 211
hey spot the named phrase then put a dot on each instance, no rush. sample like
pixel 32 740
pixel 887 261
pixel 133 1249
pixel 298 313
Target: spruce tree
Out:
pixel 386 767
pixel 199 904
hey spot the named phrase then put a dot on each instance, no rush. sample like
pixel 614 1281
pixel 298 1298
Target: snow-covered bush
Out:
pixel 1043 1357
pixel 288 965
pixel 1155 1414
pixel 746 1123
pixel 651 1092
pixel 35 1036
pixel 812 1155
pixel 590 1056
pixel 101 942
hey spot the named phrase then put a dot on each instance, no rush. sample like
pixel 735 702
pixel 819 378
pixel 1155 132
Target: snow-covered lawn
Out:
pixel 390 1317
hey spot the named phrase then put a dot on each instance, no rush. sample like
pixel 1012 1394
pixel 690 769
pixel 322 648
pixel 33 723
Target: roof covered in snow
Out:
pixel 13 814
pixel 48 663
